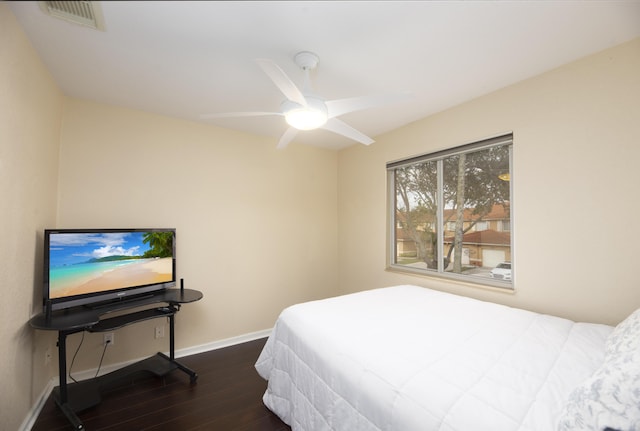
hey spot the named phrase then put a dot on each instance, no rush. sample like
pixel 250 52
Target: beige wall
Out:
pixel 576 153
pixel 256 227
pixel 30 116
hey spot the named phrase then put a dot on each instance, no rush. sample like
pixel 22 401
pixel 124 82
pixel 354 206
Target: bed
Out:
pixel 407 358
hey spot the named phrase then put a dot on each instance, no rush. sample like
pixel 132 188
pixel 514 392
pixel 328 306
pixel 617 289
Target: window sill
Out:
pixel 476 282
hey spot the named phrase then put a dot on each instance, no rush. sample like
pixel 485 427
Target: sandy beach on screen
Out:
pixel 143 272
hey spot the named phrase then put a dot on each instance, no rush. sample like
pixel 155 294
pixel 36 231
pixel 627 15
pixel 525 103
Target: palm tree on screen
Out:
pixel 161 244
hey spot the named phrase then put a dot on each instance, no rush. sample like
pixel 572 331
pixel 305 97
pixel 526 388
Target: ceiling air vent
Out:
pixel 86 13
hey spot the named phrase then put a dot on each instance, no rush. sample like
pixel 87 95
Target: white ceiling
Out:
pixel 184 58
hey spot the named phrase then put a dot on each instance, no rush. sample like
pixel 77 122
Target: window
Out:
pixel 450 212
pixel 481 225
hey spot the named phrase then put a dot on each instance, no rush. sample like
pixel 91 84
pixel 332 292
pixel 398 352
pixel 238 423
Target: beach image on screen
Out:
pixel 81 263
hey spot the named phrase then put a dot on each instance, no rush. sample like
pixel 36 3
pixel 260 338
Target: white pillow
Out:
pixel 609 398
pixel 625 337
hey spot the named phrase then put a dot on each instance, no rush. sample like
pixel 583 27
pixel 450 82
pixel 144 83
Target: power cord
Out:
pixel 74 358
pixel 102 357
pixel 104 350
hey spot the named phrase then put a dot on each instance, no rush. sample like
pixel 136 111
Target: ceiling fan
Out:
pixel 304 110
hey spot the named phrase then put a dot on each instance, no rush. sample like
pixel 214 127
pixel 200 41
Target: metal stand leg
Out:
pixel 193 376
pixel 62 365
pixel 63 397
pixel 172 334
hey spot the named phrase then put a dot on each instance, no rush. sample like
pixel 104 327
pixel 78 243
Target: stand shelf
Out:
pixel 75 397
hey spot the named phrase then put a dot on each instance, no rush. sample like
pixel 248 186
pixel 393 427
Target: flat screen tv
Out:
pixel 87 267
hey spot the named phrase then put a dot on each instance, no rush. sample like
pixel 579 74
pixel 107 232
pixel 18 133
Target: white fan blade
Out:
pixel 341 128
pixel 239 114
pixel 282 81
pixel 287 137
pixel 342 106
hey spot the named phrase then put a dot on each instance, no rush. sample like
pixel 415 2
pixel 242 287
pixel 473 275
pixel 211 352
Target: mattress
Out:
pixel 407 358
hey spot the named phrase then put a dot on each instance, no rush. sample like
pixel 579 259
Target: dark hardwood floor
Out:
pixel 226 397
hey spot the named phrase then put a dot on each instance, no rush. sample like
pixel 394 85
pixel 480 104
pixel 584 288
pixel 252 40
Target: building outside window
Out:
pixel 450 213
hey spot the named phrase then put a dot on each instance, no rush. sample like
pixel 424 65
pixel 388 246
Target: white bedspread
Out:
pixel 407 358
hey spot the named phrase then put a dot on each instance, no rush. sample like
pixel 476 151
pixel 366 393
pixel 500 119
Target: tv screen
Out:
pixel 90 266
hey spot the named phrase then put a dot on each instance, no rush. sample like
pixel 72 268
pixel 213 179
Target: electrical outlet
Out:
pixel 108 338
pixel 159 331
pixel 47 356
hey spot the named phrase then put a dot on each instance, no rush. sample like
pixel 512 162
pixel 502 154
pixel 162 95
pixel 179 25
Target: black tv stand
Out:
pixel 75 397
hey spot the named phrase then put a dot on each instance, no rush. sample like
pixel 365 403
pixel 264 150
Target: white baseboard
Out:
pixel 223 343
pixel 35 410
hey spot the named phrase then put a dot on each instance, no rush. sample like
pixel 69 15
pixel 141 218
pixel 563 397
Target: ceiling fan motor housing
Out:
pixel 306 60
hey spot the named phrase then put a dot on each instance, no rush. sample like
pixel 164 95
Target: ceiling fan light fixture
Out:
pixel 305 118
pixel 308 117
